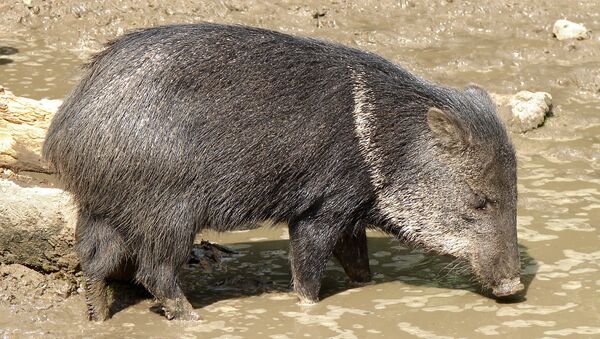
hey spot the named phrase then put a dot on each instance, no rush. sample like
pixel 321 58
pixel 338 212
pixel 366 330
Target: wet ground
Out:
pixel 505 48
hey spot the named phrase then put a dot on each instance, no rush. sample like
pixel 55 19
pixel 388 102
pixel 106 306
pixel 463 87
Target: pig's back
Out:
pixel 227 112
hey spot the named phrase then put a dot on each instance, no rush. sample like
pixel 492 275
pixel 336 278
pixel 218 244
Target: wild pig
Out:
pixel 177 129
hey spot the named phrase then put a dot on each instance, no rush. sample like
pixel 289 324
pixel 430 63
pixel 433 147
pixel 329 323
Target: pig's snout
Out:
pixel 508 287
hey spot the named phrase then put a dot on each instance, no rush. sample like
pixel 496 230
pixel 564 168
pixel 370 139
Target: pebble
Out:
pixel 565 29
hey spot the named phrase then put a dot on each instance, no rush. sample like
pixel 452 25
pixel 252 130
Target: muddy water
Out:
pixel 36 70
pixel 413 294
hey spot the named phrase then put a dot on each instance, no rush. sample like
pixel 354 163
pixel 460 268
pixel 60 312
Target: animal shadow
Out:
pixel 249 269
pixel 263 267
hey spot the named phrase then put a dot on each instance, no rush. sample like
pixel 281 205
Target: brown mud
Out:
pixel 503 46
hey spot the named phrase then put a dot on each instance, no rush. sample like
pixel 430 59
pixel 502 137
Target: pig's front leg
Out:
pixel 312 241
pixel 351 251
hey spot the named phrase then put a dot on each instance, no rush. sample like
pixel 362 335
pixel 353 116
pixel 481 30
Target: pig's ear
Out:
pixel 449 131
pixel 474 88
pixel 478 91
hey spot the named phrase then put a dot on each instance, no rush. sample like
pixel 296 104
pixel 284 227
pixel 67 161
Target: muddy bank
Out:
pixel 25 290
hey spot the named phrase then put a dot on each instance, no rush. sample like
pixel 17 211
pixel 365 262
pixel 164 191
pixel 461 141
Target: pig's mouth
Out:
pixel 508 287
pixel 501 287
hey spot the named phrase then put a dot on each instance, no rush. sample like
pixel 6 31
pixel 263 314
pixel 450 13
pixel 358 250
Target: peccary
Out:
pixel 181 128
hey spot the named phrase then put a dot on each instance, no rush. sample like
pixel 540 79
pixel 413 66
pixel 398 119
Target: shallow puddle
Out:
pixel 414 293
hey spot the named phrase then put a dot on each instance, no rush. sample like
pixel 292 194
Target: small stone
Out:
pixel 7 173
pixel 565 29
pixel 529 109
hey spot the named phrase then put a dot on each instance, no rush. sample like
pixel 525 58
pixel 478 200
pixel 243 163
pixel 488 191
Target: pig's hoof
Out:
pixel 179 309
pixel 98 315
pixel 359 275
pixel 304 301
pixel 361 282
pixel 189 316
pixel 182 315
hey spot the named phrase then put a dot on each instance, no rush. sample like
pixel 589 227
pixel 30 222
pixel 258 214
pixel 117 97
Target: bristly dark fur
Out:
pixel 181 128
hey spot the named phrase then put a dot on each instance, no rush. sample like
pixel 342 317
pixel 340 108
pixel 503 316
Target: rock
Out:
pixel 23 125
pixel 565 29
pixel 529 109
pixel 523 111
pixel 37 226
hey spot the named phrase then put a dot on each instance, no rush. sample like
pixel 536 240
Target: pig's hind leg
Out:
pixel 165 247
pixel 101 250
pixel 163 283
pixel 351 251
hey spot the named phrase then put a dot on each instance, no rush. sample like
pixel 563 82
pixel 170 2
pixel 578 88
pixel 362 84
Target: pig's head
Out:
pixel 451 187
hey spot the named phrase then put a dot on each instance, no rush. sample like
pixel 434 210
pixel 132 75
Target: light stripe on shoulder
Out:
pixel 364 122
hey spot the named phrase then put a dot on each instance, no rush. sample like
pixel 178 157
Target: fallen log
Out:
pixel 23 125
pixel 37 226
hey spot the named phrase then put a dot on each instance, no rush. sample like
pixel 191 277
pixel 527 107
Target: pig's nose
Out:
pixel 508 287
